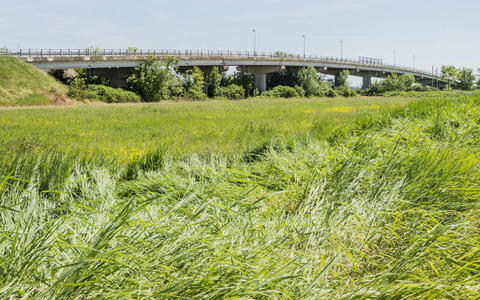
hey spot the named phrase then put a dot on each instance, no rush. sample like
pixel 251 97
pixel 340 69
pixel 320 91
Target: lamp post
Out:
pixel 394 58
pixel 341 50
pixel 304 46
pixel 254 42
pixel 413 62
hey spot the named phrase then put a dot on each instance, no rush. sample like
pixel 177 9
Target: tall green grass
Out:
pixel 384 206
pixel 128 131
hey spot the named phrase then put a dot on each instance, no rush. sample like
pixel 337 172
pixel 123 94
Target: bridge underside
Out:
pixel 117 68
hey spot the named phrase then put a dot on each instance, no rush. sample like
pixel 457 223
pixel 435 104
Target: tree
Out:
pixel 466 79
pixel 478 79
pixel 284 77
pixel 307 78
pixel 78 89
pixel 449 73
pixel 93 50
pixel 341 79
pixel 393 82
pixel 194 84
pixel 214 79
pixel 246 80
pixel 132 49
pixel 59 74
pixel 86 74
pixel 156 80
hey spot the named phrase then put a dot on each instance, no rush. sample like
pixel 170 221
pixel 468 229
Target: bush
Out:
pixel 331 93
pixel 281 91
pixel 77 89
pixel 300 91
pixel 194 84
pixel 110 95
pixel 232 92
pixel 308 79
pixel 392 83
pixel 419 88
pixel 345 91
pixel 214 78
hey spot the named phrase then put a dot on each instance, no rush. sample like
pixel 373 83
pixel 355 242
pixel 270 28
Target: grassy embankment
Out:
pixel 375 203
pixel 22 84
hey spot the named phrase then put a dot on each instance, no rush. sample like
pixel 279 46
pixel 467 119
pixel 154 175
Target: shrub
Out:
pixel 281 91
pixel 331 93
pixel 214 78
pixel 77 89
pixel 111 95
pixel 194 84
pixel 345 91
pixel 341 80
pixel 300 91
pixel 393 82
pixel 308 79
pixel 232 92
pixel 419 88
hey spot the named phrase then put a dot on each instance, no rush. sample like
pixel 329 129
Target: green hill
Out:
pixel 22 84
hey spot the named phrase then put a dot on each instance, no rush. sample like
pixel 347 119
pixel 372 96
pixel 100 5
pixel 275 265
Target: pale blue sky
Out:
pixel 436 32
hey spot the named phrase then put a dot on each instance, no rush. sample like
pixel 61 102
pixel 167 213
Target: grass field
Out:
pixel 264 199
pixel 185 127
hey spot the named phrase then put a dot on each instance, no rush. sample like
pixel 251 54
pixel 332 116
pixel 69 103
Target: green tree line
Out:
pixel 155 80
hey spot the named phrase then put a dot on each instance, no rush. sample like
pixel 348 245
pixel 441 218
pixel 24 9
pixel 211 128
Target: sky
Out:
pixel 435 32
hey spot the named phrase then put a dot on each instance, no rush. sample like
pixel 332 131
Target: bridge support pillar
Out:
pixel 260 73
pixel 261 81
pixel 367 81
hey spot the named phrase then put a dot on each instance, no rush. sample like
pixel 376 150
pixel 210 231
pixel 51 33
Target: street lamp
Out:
pixel 254 42
pixel 341 50
pixel 413 62
pixel 304 43
pixel 394 58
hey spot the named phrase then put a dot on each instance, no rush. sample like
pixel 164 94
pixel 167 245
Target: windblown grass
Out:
pixel 384 206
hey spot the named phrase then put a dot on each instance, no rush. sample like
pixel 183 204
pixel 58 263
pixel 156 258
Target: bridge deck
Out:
pixel 112 58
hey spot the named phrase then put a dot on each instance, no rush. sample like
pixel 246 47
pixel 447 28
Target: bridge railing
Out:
pixel 156 52
pixel 197 53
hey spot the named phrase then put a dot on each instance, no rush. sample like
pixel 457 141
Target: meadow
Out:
pixel 185 127
pixel 265 199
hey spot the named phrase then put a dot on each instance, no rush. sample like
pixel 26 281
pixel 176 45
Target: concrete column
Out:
pixel 260 73
pixel 261 81
pixel 367 81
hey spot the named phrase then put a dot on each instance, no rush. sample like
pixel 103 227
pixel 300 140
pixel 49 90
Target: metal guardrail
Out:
pixel 201 53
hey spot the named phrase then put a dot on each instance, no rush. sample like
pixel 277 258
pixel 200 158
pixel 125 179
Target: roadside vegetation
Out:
pixel 337 199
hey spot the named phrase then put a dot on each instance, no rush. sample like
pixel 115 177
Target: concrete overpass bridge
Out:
pixel 117 64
